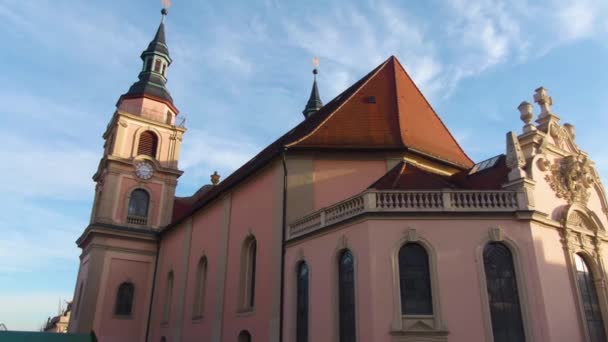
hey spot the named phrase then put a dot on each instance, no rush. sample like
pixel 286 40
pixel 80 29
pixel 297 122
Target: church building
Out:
pixel 367 222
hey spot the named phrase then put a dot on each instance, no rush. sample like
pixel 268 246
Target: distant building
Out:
pixel 366 222
pixel 59 323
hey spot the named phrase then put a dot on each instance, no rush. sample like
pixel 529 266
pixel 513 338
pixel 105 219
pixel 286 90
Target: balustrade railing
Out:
pixel 409 201
pixel 132 219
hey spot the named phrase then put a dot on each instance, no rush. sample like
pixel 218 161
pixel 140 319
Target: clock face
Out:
pixel 144 170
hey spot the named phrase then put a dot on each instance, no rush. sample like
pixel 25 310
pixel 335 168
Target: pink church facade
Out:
pixel 366 222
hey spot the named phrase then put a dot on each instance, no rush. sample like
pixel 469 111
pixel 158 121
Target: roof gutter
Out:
pixel 283 244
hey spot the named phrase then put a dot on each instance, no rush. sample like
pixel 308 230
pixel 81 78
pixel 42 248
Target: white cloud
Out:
pixel 577 19
pixel 205 152
pixel 46 168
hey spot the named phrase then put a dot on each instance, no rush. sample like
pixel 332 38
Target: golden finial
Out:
pixel 215 178
pixel 166 4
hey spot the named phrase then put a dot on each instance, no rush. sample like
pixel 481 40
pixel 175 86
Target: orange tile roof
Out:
pixel 398 116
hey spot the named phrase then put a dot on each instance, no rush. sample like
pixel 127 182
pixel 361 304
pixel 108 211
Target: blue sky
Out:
pixel 241 76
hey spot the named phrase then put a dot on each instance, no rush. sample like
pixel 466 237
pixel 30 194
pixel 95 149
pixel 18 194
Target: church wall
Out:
pixel 125 267
pixel 206 232
pixel 256 209
pixel 321 254
pixel 558 293
pixel 457 244
pixel 339 178
pixel 170 256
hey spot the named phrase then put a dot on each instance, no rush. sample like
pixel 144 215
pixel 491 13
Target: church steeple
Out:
pixel 156 61
pixel 314 101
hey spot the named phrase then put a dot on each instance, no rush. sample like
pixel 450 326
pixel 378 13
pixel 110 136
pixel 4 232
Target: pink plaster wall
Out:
pixel 558 294
pixel 253 212
pixel 458 244
pixel 205 241
pixel 114 328
pixel 336 180
pixel 171 251
pixel 145 107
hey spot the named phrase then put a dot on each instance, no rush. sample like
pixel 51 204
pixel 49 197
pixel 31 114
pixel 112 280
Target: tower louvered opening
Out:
pixel 148 143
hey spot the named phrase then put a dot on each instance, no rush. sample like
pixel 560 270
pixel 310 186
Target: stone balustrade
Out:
pixel 410 201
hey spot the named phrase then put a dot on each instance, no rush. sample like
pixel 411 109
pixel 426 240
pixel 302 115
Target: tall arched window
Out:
pixel 244 336
pixel 124 299
pixel 415 280
pixel 248 268
pixel 302 303
pixel 168 297
pixel 138 207
pixel 346 288
pixel 503 297
pixel 589 299
pixel 148 142
pixel 199 288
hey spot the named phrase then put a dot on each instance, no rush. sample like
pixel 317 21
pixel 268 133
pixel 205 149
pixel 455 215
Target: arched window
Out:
pixel 248 266
pixel 588 297
pixel 302 303
pixel 124 299
pixel 157 65
pixel 148 142
pixel 415 280
pixel 138 207
pixel 168 297
pixel 199 288
pixel 244 336
pixel 346 288
pixel 503 297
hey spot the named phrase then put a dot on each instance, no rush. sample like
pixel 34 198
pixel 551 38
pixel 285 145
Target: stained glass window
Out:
pixel 124 299
pixel 503 297
pixel 346 281
pixel 302 303
pixel 415 280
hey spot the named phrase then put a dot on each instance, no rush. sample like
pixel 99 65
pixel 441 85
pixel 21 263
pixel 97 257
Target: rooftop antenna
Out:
pixel 165 10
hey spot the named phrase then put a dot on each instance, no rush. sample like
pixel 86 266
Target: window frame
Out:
pixel 146 218
pixel 593 270
pixel 117 298
pixel 299 265
pixel 200 287
pixel 248 269
pixel 155 141
pixel 497 235
pixel 400 321
pixel 338 260
pixel 168 298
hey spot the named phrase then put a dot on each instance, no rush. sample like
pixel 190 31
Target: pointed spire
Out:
pixel 156 61
pixel 314 102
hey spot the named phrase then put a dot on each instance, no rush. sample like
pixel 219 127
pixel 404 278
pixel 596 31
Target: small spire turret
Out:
pixel 156 61
pixel 314 101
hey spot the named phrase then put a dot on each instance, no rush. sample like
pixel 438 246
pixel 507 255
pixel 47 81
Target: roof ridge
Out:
pixel 432 109
pixel 393 59
pixel 367 77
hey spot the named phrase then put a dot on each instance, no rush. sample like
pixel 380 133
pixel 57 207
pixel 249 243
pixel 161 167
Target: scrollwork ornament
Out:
pixel 570 178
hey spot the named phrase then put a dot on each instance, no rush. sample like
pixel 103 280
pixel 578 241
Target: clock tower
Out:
pixel 134 195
